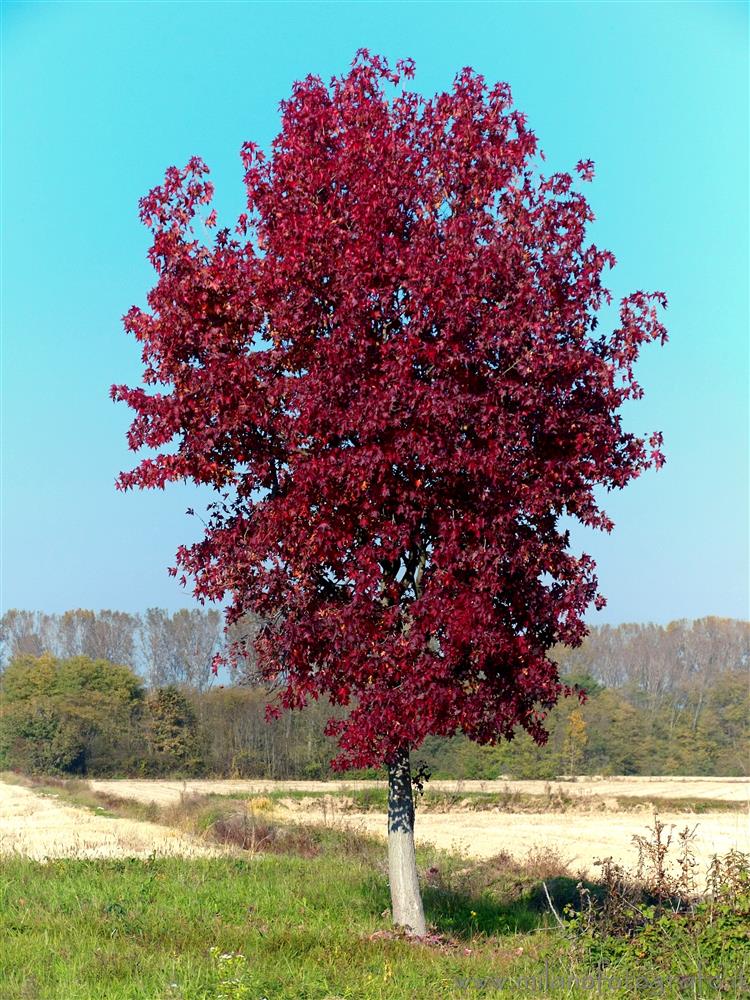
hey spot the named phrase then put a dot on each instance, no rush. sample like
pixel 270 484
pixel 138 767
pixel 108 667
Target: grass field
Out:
pixel 306 928
pixel 303 915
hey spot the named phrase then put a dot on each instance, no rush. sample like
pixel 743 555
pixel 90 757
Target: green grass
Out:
pixel 111 930
pixel 306 928
pixel 307 919
pixel 680 805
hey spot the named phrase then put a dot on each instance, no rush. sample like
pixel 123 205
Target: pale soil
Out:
pixel 41 827
pixel 167 791
pixel 581 835
pixel 579 839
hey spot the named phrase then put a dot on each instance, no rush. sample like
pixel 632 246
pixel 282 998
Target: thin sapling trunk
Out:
pixel 406 899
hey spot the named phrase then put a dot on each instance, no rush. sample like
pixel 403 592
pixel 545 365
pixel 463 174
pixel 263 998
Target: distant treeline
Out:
pixel 669 699
pixel 163 648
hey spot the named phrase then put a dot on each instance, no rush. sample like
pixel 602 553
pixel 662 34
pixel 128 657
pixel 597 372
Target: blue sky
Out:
pixel 99 98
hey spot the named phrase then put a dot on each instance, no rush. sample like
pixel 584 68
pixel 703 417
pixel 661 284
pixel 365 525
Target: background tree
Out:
pixel 26 633
pixel 172 732
pixel 179 648
pixel 240 743
pixel 107 635
pixel 574 742
pixel 394 374
pixel 233 740
pixel 103 635
pixel 242 636
pixel 67 716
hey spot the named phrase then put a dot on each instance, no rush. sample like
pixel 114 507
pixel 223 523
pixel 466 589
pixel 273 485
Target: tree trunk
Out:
pixel 406 900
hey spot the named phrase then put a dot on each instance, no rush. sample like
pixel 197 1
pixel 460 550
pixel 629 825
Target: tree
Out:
pixel 107 635
pixel 26 633
pixel 574 741
pixel 179 648
pixel 172 731
pixel 393 373
pixel 66 716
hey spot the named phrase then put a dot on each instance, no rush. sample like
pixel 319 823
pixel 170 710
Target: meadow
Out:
pixel 252 890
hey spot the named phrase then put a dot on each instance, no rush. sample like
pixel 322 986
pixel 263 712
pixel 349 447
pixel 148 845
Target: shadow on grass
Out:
pixel 464 916
pixel 462 913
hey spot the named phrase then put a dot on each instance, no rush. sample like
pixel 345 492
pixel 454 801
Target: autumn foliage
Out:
pixel 391 370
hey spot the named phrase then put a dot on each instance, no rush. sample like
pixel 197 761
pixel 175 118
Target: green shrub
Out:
pixel 657 919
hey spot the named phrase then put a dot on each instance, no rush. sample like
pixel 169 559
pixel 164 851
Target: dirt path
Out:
pixel 164 792
pixel 41 827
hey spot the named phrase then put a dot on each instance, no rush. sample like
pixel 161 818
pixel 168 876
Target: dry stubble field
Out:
pixel 594 824
pixel 38 826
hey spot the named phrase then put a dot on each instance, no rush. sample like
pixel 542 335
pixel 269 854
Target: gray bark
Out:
pixel 406 899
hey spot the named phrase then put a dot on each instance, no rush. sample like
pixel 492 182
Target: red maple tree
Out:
pixel 392 372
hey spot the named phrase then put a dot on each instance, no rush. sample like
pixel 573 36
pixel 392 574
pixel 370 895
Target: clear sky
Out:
pixel 99 98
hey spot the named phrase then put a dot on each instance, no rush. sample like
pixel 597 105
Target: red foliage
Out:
pixel 392 373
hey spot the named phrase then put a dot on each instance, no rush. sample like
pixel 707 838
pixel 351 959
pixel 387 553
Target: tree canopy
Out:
pixel 393 372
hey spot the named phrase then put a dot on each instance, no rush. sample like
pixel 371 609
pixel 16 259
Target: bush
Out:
pixel 657 916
